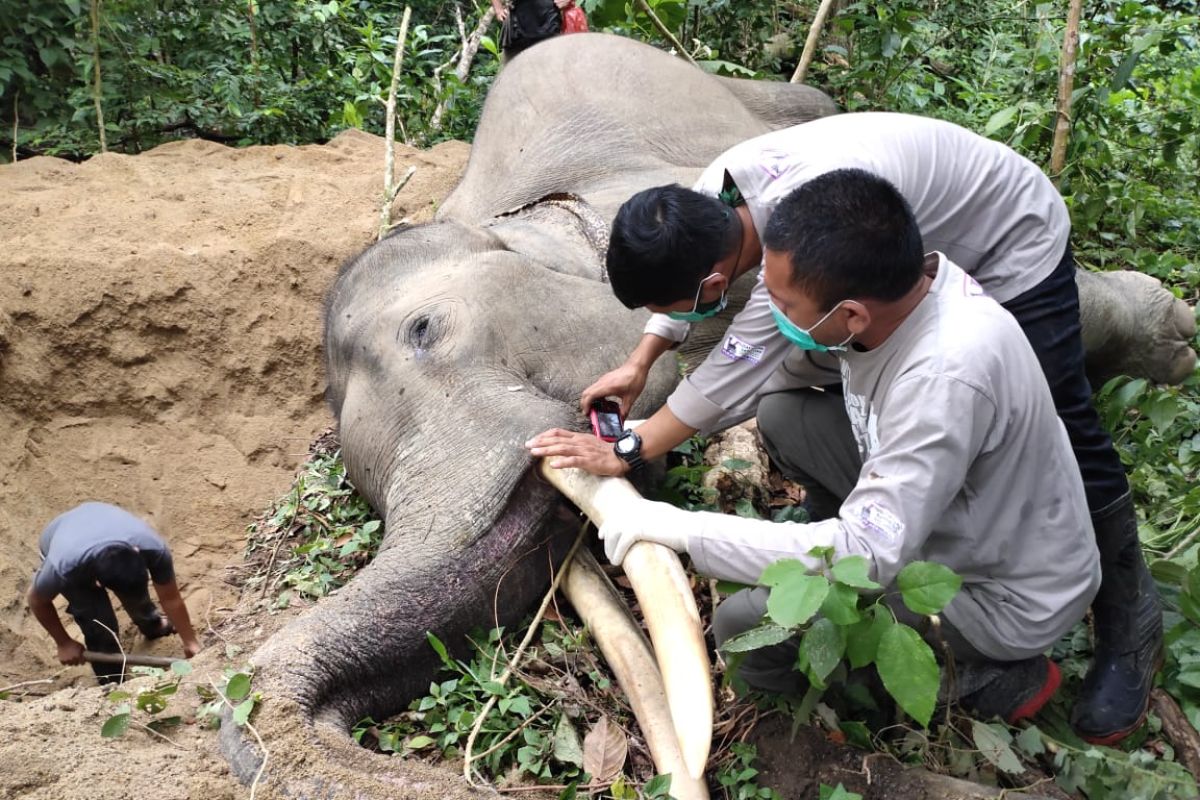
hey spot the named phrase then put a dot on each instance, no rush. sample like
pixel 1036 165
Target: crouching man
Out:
pixel 94 548
pixel 955 453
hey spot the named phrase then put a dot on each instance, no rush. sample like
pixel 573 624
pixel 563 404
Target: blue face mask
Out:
pixel 803 338
pixel 699 313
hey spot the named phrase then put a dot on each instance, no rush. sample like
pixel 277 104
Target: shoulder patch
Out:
pixel 880 520
pixel 737 350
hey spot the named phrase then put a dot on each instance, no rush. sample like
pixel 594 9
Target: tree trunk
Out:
pixel 1066 83
pixel 810 44
pixel 96 74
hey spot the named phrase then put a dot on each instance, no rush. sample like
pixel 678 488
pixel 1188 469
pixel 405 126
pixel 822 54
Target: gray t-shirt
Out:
pixel 965 463
pixel 989 209
pixel 72 538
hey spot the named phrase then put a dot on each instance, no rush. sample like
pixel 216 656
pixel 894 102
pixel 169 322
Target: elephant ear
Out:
pixel 561 232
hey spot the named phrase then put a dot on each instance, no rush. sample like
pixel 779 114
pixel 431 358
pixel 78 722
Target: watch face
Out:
pixel 626 444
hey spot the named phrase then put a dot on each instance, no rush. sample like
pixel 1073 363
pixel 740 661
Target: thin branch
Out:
pixel 468 758
pixel 16 120
pixel 1066 81
pixel 470 47
pixel 96 73
pixel 665 31
pixel 38 682
pixel 810 44
pixel 389 157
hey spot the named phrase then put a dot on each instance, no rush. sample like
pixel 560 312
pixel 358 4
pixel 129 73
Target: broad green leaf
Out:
pixel 238 687
pixel 838 792
pixel 736 464
pixel 823 645
pixel 909 671
pixel 118 696
pixel 841 605
pixel 567 747
pixel 862 640
pixel 116 725
pixel 730 587
pixel 181 667
pixel 744 508
pixel 439 648
pixel 1031 742
pixel 658 786
pixel 755 638
pixel 853 571
pixel 241 712
pixel 794 602
pixel 926 587
pixel 857 734
pixel 418 743
pixel 994 746
pixel 1000 119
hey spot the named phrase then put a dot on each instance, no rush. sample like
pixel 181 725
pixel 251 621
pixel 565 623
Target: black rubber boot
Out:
pixel 1128 633
pixel 1011 690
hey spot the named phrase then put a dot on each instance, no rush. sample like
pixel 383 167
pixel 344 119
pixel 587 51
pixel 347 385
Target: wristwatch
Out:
pixel 629 449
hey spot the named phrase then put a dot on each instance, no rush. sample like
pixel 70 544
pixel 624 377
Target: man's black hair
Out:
pixel 664 241
pixel 849 234
pixel 119 568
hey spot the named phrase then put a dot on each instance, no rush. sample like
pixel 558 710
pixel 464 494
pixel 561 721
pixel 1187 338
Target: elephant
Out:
pixel 448 344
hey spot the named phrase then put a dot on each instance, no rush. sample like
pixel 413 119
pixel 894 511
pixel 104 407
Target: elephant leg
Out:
pixel 1133 326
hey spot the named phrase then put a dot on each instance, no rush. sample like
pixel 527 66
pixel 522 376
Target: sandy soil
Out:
pixel 160 349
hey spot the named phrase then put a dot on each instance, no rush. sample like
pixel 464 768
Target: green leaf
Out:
pixel 841 605
pixel 853 571
pixel 823 645
pixel 658 786
pixel 744 508
pixel 238 687
pixel 439 648
pixel 838 792
pixel 118 696
pixel 116 725
pixel 993 744
pixel 1000 119
pixel 241 712
pixel 418 743
pixel 862 641
pixel 795 595
pixel 926 587
pixel 736 464
pixel 181 667
pixel 756 638
pixel 568 749
pixel 909 671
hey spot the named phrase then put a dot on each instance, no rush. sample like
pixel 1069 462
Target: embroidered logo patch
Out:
pixel 881 521
pixel 737 350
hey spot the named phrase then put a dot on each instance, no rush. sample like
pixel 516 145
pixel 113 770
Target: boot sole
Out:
pixel 1035 704
pixel 1109 739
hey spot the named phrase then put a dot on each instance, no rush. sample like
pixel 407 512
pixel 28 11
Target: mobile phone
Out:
pixel 605 416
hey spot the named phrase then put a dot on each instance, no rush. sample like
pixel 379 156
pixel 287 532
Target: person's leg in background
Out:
pixel 1127 612
pixel 93 612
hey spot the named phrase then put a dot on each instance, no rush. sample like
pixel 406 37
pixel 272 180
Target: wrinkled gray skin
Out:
pixel 448 345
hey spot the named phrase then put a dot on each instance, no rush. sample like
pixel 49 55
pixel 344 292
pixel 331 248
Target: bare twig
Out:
pixel 509 737
pixel 117 639
pixel 810 44
pixel 470 47
pixel 1177 728
pixel 38 682
pixel 665 31
pixel 96 73
pixel 153 732
pixel 16 121
pixel 1066 81
pixel 468 758
pixel 389 191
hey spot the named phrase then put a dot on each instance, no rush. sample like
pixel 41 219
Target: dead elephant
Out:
pixel 448 344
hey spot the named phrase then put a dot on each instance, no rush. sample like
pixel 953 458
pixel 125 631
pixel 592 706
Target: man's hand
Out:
pixel 644 521
pixel 501 10
pixel 70 652
pixel 580 450
pixel 562 3
pixel 626 383
pixel 190 647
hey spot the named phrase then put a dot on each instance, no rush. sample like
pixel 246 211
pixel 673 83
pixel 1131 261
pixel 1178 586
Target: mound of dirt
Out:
pixel 160 349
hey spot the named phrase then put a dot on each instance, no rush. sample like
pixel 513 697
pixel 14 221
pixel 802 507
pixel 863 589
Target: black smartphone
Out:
pixel 605 416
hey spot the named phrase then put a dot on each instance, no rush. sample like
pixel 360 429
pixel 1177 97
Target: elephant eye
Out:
pixel 421 333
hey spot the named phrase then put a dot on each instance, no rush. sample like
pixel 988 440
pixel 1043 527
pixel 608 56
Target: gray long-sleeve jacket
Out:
pixel 989 209
pixel 965 462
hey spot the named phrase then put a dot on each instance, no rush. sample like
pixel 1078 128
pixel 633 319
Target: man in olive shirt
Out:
pixel 93 548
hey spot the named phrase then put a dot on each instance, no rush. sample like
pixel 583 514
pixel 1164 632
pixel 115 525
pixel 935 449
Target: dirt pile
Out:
pixel 160 349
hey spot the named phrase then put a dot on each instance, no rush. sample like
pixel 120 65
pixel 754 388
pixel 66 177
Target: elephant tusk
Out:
pixel 668 607
pixel 628 654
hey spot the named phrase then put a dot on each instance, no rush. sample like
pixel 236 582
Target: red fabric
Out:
pixel 574 20
pixel 1034 704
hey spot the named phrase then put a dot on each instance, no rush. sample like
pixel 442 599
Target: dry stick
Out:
pixel 96 72
pixel 284 534
pixel 261 745
pixel 1179 730
pixel 389 156
pixel 1066 81
pixel 16 120
pixel 810 44
pixel 39 681
pixel 470 48
pixel 665 31
pixel 520 651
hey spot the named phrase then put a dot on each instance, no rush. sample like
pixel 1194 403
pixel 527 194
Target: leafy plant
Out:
pixel 737 775
pixel 234 691
pixel 130 707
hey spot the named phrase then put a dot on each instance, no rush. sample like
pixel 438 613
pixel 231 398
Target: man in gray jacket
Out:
pixel 956 455
pixel 994 214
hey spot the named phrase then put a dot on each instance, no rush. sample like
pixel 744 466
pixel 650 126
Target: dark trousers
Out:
pixel 93 612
